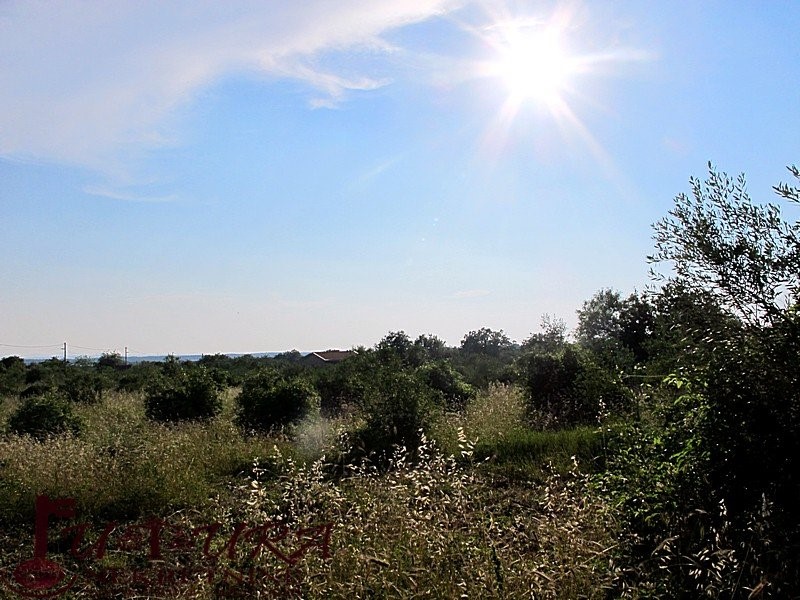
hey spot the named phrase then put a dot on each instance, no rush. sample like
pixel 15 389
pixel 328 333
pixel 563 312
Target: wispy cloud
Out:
pixel 114 194
pixel 86 83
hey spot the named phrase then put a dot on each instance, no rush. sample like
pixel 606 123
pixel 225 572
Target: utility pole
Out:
pixel 126 355
pixel 65 352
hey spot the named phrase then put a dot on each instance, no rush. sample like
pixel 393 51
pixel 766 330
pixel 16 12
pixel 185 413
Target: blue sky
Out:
pixel 259 176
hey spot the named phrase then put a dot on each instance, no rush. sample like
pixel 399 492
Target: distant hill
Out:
pixel 160 357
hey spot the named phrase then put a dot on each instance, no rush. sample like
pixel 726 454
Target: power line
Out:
pixel 86 348
pixel 24 346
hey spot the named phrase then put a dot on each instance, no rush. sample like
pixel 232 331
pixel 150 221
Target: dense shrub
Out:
pixel 12 375
pixel 185 395
pixel 138 377
pixel 444 379
pixel 568 387
pixel 37 388
pixel 44 415
pixel 271 399
pixel 397 408
pixel 340 386
pixel 83 385
pixel 111 360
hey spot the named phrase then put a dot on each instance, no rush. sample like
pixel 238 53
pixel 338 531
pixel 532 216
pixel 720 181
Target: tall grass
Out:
pixel 122 465
pixel 435 528
pixel 432 525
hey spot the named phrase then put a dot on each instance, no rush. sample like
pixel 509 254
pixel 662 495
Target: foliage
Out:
pixel 444 379
pixel 431 347
pixel 679 533
pixel 43 416
pixel 486 341
pixel 236 369
pixel 111 360
pixel 687 326
pixel 343 385
pixel 552 337
pixel 611 326
pixel 719 241
pixel 83 384
pixel 12 375
pixel 567 387
pixel 171 366
pixel 37 388
pixel 50 373
pixel 139 377
pixel 269 399
pixel 708 487
pixel 397 408
pixel 184 395
pixel 396 346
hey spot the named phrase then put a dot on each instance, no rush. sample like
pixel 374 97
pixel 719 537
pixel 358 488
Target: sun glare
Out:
pixel 535 67
pixel 541 68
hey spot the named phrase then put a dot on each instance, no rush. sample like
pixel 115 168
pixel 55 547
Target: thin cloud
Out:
pixel 107 192
pixel 89 83
pixel 369 176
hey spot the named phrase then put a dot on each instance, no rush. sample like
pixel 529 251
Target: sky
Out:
pixel 202 177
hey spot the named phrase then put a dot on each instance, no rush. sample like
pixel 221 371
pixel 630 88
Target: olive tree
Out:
pixel 718 240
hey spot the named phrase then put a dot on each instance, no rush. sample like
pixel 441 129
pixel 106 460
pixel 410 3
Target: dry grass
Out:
pixel 122 465
pixel 434 526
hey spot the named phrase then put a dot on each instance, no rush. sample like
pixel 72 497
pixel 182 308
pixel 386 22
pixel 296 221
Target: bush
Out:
pixel 12 375
pixel 185 396
pixel 340 386
pixel 270 399
pixel 397 408
pixel 43 416
pixel 139 377
pixel 37 388
pixel 568 388
pixel 83 385
pixel 443 378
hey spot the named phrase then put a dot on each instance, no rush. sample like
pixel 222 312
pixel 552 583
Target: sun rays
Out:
pixel 544 69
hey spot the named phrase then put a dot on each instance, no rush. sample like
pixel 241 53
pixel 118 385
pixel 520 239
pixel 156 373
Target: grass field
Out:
pixel 486 508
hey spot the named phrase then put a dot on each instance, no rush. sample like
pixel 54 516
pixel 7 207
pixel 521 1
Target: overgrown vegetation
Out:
pixel 271 400
pixel 653 454
pixel 183 394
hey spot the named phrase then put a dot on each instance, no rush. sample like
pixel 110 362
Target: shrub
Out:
pixel 111 360
pixel 343 386
pixel 397 408
pixel 44 415
pixel 82 385
pixel 442 377
pixel 567 387
pixel 270 399
pixel 139 377
pixel 37 388
pixel 12 375
pixel 186 395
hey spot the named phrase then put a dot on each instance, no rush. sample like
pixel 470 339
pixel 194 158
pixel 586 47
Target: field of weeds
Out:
pixel 201 510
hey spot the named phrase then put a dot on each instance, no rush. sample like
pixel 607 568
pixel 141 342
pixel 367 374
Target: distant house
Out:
pixel 329 357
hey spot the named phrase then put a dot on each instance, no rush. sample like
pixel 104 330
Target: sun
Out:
pixel 534 65
pixel 540 72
